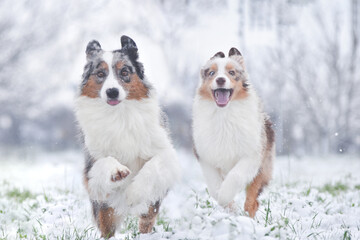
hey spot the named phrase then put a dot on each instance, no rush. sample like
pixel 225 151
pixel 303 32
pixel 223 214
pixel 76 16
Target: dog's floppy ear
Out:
pixel 236 55
pixel 218 55
pixel 92 49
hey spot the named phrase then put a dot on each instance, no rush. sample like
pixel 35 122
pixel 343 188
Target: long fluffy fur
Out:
pixel 231 142
pixel 130 161
pixel 128 135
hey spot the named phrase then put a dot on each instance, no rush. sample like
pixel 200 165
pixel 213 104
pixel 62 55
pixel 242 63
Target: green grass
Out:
pixel 268 214
pixel 315 223
pixel 131 228
pixel 46 197
pixel 77 234
pixel 203 203
pixel 280 222
pixel 164 222
pixel 347 235
pixel 334 189
pixel 20 196
pixel 307 191
pixel 21 233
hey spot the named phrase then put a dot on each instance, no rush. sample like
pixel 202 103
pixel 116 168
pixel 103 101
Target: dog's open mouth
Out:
pixel 222 96
pixel 113 102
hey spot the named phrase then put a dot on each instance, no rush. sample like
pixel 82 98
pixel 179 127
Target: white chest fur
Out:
pixel 224 136
pixel 128 131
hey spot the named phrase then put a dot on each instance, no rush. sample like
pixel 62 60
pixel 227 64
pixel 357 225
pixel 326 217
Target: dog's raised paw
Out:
pixel 120 174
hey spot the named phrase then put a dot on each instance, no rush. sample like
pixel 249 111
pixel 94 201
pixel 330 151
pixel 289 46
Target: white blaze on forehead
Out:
pixel 221 73
pixel 108 58
pixel 111 81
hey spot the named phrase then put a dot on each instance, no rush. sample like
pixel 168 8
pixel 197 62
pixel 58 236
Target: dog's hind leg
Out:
pixel 147 221
pixel 253 191
pixel 105 219
pixel 264 175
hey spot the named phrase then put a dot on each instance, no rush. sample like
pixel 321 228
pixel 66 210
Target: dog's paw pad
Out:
pixel 120 175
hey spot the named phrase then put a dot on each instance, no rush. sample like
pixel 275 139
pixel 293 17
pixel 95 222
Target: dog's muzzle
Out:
pixel 113 96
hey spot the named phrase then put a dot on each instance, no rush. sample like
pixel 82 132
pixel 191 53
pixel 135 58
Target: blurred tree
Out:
pixel 26 79
pixel 316 76
pixel 309 79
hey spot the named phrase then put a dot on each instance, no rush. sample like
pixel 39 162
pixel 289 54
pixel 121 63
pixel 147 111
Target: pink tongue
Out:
pixel 113 102
pixel 222 97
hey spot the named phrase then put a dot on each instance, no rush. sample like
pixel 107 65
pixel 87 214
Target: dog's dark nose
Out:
pixel 220 81
pixel 112 92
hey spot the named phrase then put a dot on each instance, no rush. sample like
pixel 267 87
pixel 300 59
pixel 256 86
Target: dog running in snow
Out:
pixel 233 138
pixel 130 162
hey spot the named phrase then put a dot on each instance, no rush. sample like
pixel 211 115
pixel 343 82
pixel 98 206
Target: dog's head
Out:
pixel 224 79
pixel 114 75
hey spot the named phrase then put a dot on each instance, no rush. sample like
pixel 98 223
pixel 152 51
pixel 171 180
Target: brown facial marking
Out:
pixel 106 222
pixel 119 65
pixel 236 80
pixel 92 87
pixel 135 88
pixel 103 65
pixel 147 221
pixel 205 88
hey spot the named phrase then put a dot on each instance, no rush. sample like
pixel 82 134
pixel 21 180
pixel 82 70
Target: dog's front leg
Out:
pixel 238 177
pixel 153 181
pixel 212 177
pixel 105 175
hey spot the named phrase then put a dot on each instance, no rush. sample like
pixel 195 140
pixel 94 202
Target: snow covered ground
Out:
pixel 42 197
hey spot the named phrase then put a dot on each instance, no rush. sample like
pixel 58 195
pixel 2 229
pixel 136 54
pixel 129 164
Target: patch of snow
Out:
pixel 295 205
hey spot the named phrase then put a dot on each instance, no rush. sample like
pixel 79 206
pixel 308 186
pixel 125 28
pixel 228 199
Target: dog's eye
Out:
pixel 232 73
pixel 211 73
pixel 100 74
pixel 124 73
